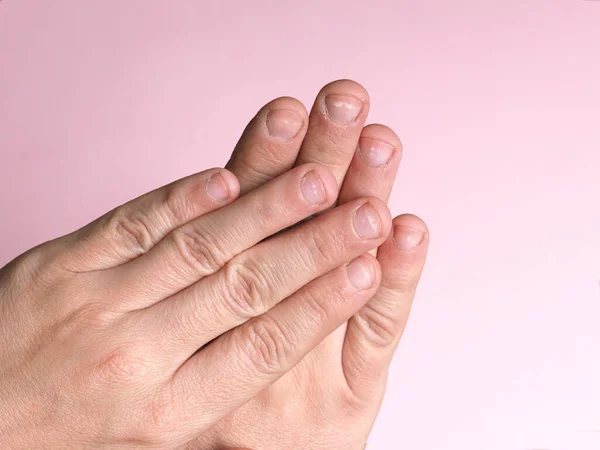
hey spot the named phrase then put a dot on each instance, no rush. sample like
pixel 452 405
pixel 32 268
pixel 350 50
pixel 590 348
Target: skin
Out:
pixel 331 398
pixel 170 321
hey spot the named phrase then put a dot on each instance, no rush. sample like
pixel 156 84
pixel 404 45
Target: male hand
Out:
pixel 104 332
pixel 331 398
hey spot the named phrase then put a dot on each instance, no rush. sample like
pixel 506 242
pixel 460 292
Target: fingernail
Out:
pixel 375 152
pixel 342 109
pixel 216 188
pixel 407 238
pixel 361 273
pixel 283 124
pixel 366 222
pixel 312 189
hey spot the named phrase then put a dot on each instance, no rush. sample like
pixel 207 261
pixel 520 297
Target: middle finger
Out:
pixel 336 121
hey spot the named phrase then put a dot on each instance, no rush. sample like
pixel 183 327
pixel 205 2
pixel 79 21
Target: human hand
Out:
pixel 331 398
pixel 104 332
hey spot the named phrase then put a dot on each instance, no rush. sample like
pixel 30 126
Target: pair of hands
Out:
pixel 209 313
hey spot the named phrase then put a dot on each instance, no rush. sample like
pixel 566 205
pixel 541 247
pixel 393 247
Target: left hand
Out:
pixel 331 398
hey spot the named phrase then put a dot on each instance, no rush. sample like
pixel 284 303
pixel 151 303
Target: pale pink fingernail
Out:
pixel 312 189
pixel 366 222
pixel 375 152
pixel 216 188
pixel 342 109
pixel 361 273
pixel 407 238
pixel 283 124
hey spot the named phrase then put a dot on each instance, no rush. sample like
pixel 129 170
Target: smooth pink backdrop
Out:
pixel 498 106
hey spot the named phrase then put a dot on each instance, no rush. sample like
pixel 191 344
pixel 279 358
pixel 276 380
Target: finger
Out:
pixel 201 247
pixel 374 166
pixel 241 363
pixel 270 143
pixel 132 229
pixel 256 280
pixel 375 330
pixel 371 173
pixel 336 120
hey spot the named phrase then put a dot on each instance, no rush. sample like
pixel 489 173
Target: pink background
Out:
pixel 498 106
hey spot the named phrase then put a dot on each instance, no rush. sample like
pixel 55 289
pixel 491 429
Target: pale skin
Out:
pixel 210 313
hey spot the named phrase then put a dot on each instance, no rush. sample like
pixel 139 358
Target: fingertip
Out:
pixel 409 232
pixel 232 182
pixel 346 86
pixel 326 178
pixel 384 213
pixel 379 145
pixel 285 119
pixel 369 262
pixel 344 102
pixel 270 143
pixel 222 186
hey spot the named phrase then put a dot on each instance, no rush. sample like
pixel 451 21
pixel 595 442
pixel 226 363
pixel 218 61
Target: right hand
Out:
pixel 104 332
pixel 331 398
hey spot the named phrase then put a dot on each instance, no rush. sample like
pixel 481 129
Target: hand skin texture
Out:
pixel 331 398
pixel 196 317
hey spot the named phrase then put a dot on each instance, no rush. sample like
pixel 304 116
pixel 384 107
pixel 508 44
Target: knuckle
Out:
pixel 404 284
pixel 317 304
pixel 245 289
pixel 265 213
pixel 91 317
pixel 262 165
pixel 123 365
pixel 132 229
pixel 19 275
pixel 164 410
pixel 267 346
pixel 332 143
pixel 379 326
pixel 199 250
pixel 70 325
pixel 404 279
pixel 44 267
pixel 323 245
pixel 253 175
pixel 175 202
pixel 155 426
